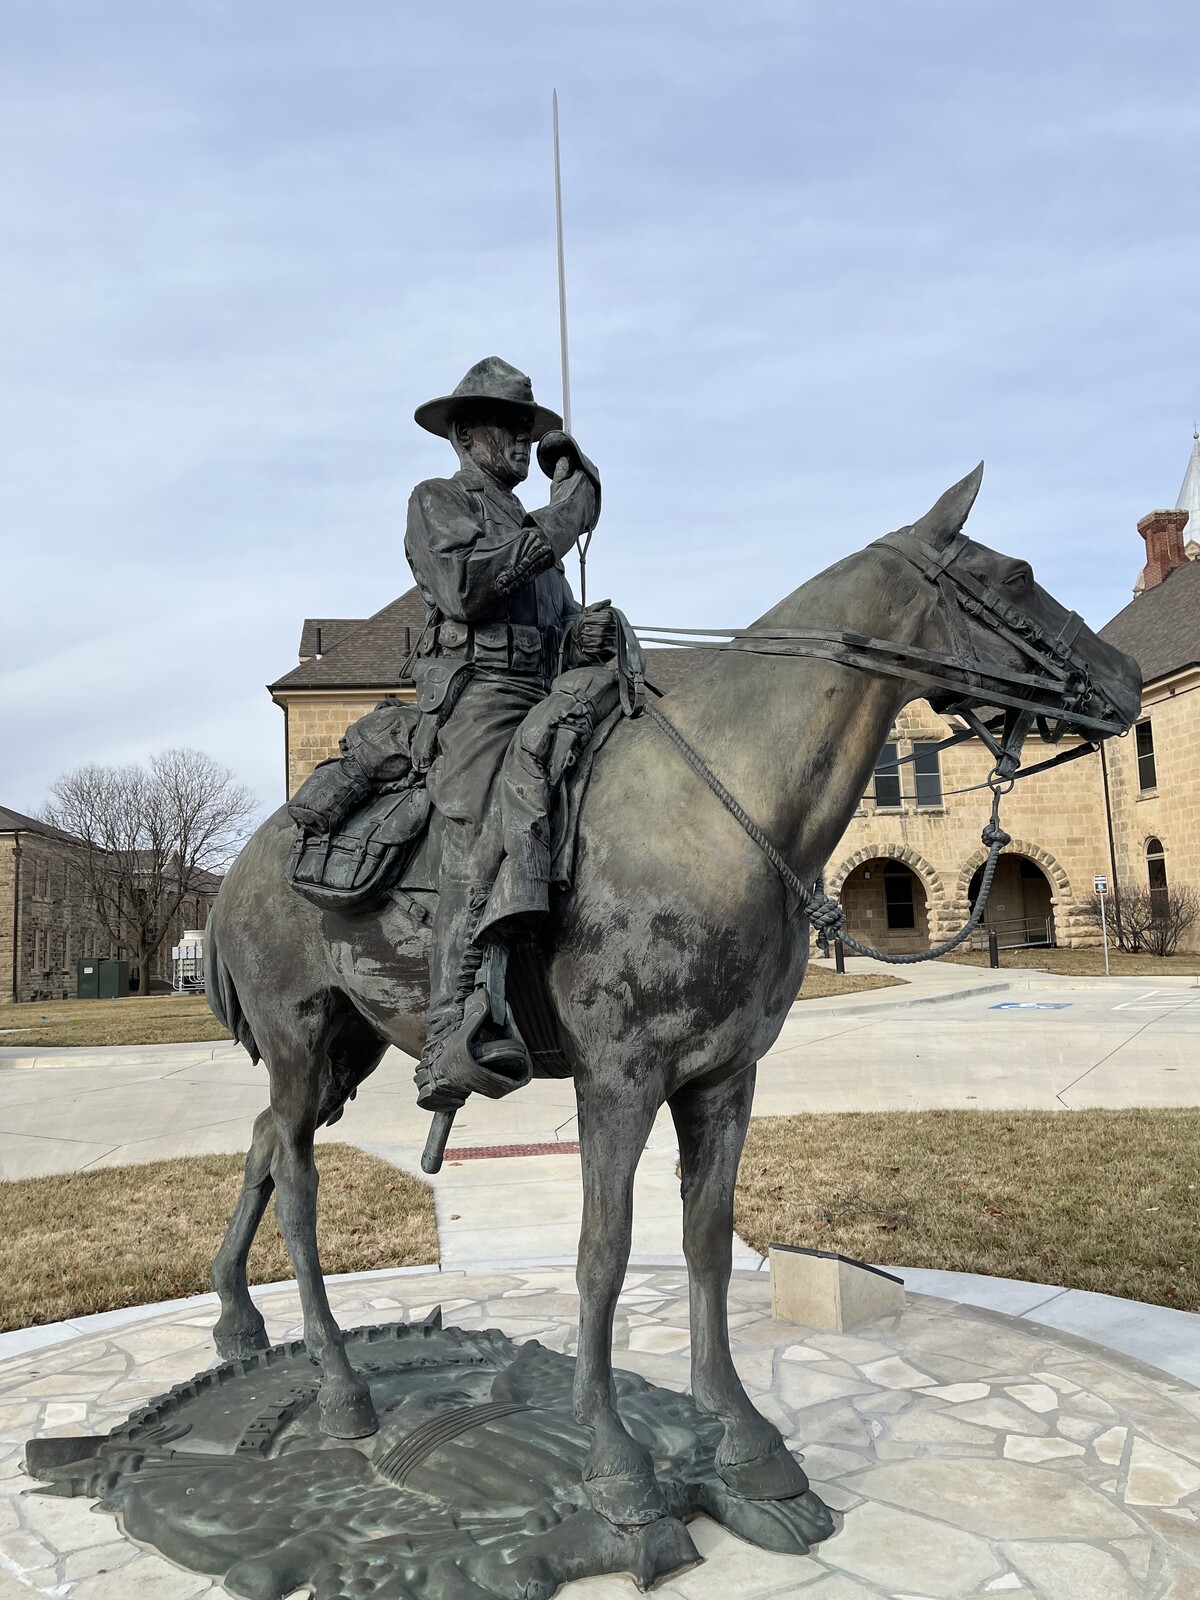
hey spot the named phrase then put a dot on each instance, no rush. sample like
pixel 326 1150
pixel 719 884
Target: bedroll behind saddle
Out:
pixel 360 816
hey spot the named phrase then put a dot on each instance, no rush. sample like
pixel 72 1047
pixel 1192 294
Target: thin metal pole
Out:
pixel 581 545
pixel 562 274
pixel 1104 929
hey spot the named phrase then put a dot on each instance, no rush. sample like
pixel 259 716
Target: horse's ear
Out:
pixel 943 520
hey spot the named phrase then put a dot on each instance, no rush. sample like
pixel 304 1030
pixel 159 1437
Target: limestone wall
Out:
pixel 315 723
pixel 9 930
pixel 1056 821
pixel 1169 810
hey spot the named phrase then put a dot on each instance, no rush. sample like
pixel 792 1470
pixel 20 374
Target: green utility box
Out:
pixel 102 979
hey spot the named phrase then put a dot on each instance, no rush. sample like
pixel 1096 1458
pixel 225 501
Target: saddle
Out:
pixel 362 817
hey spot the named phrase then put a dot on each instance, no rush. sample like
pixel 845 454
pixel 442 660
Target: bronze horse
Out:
pixel 671 967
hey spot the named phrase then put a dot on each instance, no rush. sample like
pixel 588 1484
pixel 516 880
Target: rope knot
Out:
pixel 994 836
pixel 826 916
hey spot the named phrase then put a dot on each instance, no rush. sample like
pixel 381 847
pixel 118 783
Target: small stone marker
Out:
pixel 820 1289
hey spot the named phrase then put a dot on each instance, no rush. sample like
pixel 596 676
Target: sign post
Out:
pixel 1100 884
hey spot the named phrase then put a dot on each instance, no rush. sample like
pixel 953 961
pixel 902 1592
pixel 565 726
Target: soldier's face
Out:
pixel 501 447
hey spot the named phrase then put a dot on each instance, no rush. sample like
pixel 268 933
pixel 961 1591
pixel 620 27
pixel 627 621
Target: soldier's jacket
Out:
pixel 478 556
pixel 500 600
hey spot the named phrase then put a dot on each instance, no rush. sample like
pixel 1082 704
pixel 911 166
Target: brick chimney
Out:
pixel 1163 533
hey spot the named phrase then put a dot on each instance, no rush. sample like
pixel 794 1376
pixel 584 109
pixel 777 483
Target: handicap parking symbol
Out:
pixel 1032 1005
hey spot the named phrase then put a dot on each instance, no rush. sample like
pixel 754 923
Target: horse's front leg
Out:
pixel 347 1411
pixel 614 1123
pixel 711 1122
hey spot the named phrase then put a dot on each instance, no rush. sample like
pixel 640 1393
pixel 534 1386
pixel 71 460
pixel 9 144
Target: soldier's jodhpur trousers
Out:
pixel 470 750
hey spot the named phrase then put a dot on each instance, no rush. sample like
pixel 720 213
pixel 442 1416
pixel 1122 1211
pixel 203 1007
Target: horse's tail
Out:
pixel 221 993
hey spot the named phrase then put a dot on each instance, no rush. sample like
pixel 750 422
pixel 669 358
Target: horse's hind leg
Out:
pixel 711 1122
pixel 347 1411
pixel 240 1330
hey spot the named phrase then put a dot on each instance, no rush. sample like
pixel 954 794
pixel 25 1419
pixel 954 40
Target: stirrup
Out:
pixel 466 1065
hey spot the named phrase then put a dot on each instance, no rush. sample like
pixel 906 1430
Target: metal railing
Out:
pixel 1015 933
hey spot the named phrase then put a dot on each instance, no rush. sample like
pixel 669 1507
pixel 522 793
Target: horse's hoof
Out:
pixel 629 1499
pixel 241 1343
pixel 777 1476
pixel 348 1413
pixel 790 1527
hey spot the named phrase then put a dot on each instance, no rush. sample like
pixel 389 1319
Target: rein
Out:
pixel 961 673
pixel 971 681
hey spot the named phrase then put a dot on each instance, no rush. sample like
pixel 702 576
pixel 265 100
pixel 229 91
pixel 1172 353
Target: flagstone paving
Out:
pixel 969 1455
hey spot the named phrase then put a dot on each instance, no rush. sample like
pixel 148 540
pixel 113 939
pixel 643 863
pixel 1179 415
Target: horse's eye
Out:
pixel 1019 578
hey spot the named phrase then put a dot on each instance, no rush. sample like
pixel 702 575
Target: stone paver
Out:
pixel 1058 1471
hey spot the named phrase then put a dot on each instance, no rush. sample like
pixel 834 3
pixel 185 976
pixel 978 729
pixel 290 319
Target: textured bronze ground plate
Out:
pixel 471 1488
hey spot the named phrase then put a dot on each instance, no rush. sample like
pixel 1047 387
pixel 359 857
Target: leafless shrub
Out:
pixel 1149 921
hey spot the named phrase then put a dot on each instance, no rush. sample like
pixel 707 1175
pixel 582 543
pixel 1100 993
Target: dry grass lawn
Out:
pixel 1085 963
pixel 1100 1200
pixel 822 982
pixel 126 1236
pixel 153 1019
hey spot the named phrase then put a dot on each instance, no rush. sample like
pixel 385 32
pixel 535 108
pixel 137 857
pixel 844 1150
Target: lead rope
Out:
pixel 824 913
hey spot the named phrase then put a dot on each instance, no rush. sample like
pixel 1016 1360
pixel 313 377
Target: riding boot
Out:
pixel 472 1044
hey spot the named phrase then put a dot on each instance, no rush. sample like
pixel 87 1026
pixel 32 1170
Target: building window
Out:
pixel 1156 871
pixel 887 780
pixel 928 772
pixel 898 897
pixel 1147 777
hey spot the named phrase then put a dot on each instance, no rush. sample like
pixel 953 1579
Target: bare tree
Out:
pixel 149 837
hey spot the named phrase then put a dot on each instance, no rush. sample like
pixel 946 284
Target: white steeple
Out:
pixel 1189 495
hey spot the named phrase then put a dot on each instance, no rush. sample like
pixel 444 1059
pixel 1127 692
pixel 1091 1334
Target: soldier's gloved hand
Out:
pixel 574 507
pixel 594 633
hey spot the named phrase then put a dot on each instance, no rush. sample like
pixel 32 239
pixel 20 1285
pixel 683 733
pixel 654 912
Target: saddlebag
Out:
pixel 359 818
pixel 354 867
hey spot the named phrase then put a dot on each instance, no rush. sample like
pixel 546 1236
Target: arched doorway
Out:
pixel 885 905
pixel 1020 908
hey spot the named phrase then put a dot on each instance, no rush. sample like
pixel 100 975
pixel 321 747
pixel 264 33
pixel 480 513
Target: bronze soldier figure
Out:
pixel 502 624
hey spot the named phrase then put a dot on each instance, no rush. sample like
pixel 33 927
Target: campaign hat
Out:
pixel 492 381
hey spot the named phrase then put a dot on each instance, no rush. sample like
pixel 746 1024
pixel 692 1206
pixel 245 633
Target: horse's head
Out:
pixel 1012 644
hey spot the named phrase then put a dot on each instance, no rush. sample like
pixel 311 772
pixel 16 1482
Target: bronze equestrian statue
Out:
pixel 673 961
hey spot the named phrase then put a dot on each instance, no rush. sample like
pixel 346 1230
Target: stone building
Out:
pixel 47 923
pixel 907 866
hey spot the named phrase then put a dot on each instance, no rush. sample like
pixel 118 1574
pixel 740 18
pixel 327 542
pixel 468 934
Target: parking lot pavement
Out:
pixel 1050 1043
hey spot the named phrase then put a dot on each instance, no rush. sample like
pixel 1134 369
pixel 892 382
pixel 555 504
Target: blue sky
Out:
pixel 821 259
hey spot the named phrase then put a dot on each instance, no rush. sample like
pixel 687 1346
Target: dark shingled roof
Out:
pixel 16 821
pixel 330 630
pixel 1160 629
pixel 370 654
pixel 363 655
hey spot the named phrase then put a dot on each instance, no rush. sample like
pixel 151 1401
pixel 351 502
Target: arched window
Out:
pixel 1156 869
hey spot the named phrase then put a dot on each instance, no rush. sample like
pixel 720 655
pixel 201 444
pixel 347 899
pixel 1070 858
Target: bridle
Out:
pixel 1055 692
pixel 1057 688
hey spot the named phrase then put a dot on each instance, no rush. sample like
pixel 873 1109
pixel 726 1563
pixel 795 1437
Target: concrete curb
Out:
pixel 104 1055
pixel 854 1005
